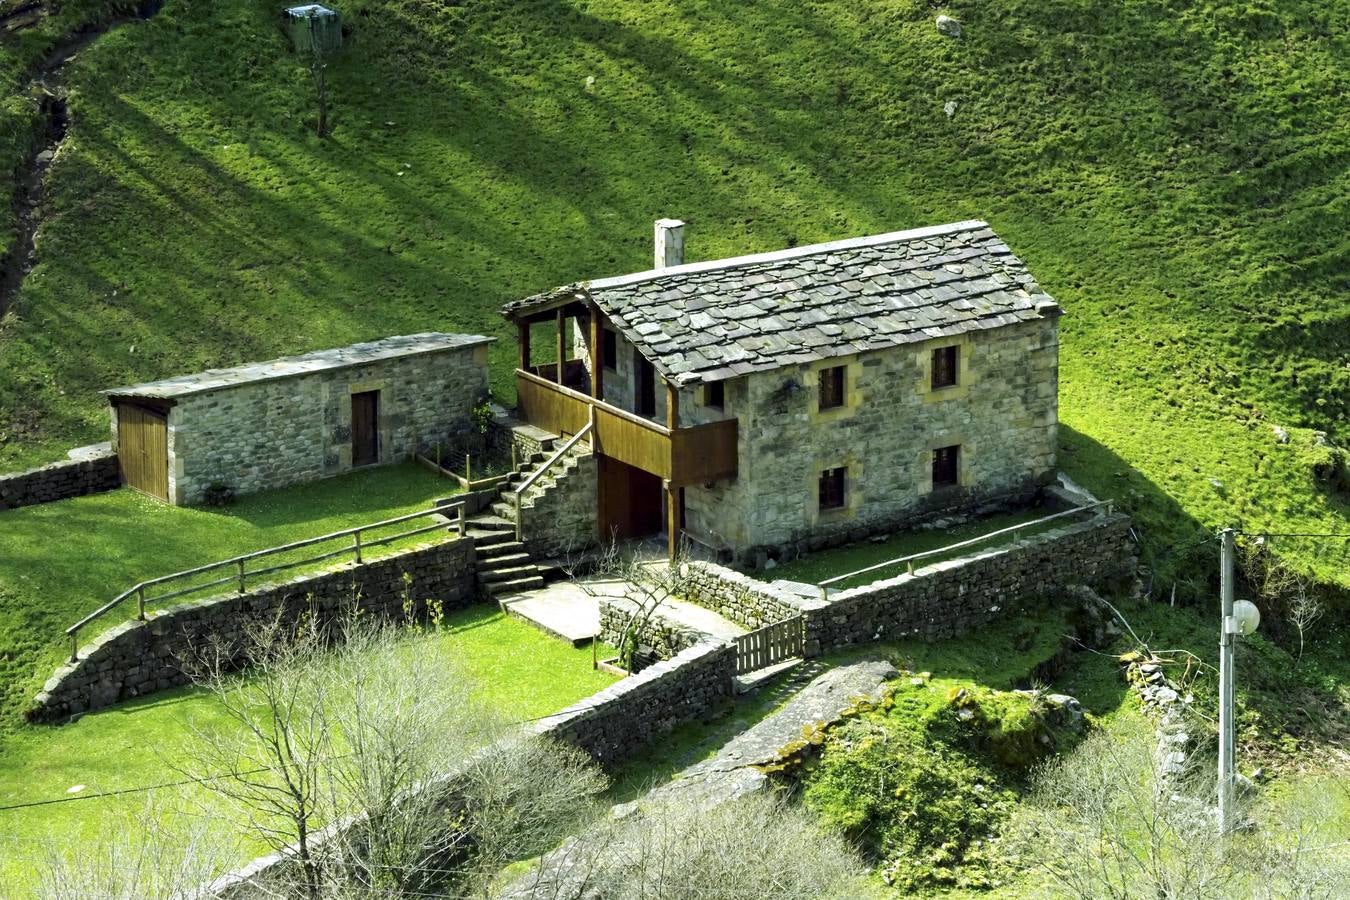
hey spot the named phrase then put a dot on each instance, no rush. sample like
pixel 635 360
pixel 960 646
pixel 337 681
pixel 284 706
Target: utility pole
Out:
pixel 1226 640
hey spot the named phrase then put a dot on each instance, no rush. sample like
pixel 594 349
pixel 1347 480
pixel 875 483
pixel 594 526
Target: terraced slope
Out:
pixel 1174 173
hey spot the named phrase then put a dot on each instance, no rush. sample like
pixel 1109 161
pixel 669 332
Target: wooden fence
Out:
pixel 770 645
pixel 354 542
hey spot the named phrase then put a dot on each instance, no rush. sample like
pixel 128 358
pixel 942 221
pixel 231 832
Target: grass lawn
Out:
pixel 1173 174
pixel 841 560
pixel 520 672
pixel 61 561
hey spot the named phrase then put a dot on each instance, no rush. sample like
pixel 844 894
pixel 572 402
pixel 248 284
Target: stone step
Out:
pixel 507 560
pixel 504 510
pixel 503 547
pixel 515 573
pixel 497 589
pixel 492 523
pixel 490 540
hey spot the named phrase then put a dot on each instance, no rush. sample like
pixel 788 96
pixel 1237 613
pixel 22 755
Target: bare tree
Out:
pixel 1293 594
pixel 520 798
pixel 647 585
pixel 270 757
pixel 135 856
pixel 374 773
pixel 677 847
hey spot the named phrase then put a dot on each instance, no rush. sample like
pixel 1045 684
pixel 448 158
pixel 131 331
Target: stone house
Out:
pixel 267 425
pixel 774 403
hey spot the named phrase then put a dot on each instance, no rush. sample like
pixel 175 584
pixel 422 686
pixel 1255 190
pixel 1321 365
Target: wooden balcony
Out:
pixel 682 456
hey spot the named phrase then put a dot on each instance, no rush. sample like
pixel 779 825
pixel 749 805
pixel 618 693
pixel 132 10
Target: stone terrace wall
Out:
pixel 629 714
pixel 563 517
pixel 952 598
pixel 747 601
pixel 664 636
pixel 60 481
pixel 138 658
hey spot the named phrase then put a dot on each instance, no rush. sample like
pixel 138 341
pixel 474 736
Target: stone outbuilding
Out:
pixel 271 424
pixel 774 403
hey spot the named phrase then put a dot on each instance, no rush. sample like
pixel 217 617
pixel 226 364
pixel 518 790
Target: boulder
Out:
pixel 949 26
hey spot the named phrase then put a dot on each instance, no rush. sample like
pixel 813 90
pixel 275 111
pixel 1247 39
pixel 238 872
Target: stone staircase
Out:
pixel 505 568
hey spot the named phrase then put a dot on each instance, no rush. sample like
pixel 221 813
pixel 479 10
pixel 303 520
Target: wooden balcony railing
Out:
pixel 691 455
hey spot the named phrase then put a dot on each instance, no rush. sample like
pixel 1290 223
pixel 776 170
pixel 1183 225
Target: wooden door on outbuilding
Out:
pixel 143 448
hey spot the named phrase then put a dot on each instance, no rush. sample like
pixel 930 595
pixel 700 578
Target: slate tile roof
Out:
pixel 286 367
pixel 723 318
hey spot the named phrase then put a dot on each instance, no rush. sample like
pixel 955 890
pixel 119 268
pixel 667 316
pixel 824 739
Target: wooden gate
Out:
pixel 770 645
pixel 143 449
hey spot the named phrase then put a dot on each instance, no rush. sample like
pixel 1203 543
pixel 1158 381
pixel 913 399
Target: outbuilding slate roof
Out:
pixel 308 363
pixel 712 320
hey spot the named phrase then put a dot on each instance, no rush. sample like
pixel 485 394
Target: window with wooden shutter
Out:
pixel 945 367
pixel 832 387
pixel 946 466
pixel 832 487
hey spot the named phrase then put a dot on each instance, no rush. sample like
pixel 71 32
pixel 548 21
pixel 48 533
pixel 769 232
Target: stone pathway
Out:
pixel 571 610
pixel 730 774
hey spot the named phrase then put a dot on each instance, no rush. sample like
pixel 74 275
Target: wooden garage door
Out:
pixel 143 449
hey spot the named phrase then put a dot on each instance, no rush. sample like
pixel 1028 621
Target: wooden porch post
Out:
pixel 561 319
pixel 672 492
pixel 672 519
pixel 597 354
pixel 523 342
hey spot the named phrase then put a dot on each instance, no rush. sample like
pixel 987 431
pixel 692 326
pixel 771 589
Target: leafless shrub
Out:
pixel 134 856
pixel 746 849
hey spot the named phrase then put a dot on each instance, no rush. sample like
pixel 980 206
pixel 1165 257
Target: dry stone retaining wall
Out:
pixel 938 601
pixel 952 598
pixel 138 658
pixel 662 636
pixel 626 716
pixel 747 601
pixel 60 480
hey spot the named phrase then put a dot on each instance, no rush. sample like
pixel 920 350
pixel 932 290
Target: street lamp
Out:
pixel 1239 618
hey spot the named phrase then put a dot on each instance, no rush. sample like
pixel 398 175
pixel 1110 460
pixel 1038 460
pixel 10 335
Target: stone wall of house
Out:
pixel 628 715
pixel 1002 414
pixel 952 598
pixel 658 636
pixel 559 514
pixel 747 601
pixel 138 658
pixel 91 474
pixel 265 434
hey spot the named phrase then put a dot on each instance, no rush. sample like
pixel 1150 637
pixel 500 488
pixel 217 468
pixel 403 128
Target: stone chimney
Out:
pixel 669 243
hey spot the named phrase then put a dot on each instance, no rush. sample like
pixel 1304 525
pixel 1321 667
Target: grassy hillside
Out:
pixel 1174 173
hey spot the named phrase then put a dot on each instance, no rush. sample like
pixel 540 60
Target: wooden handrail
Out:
pixel 548 464
pixel 591 401
pixel 1012 529
pixel 241 563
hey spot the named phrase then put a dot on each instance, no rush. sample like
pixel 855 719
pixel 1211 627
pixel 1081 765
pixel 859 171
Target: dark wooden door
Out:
pixel 630 501
pixel 365 428
pixel 143 449
pixel 645 399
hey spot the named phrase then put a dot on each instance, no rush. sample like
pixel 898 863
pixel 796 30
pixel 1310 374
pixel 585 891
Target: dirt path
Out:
pixel 44 80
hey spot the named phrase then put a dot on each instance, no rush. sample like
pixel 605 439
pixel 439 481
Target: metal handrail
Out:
pixel 240 563
pixel 1012 529
pixel 548 464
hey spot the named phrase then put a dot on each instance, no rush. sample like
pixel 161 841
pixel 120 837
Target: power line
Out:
pixel 51 801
